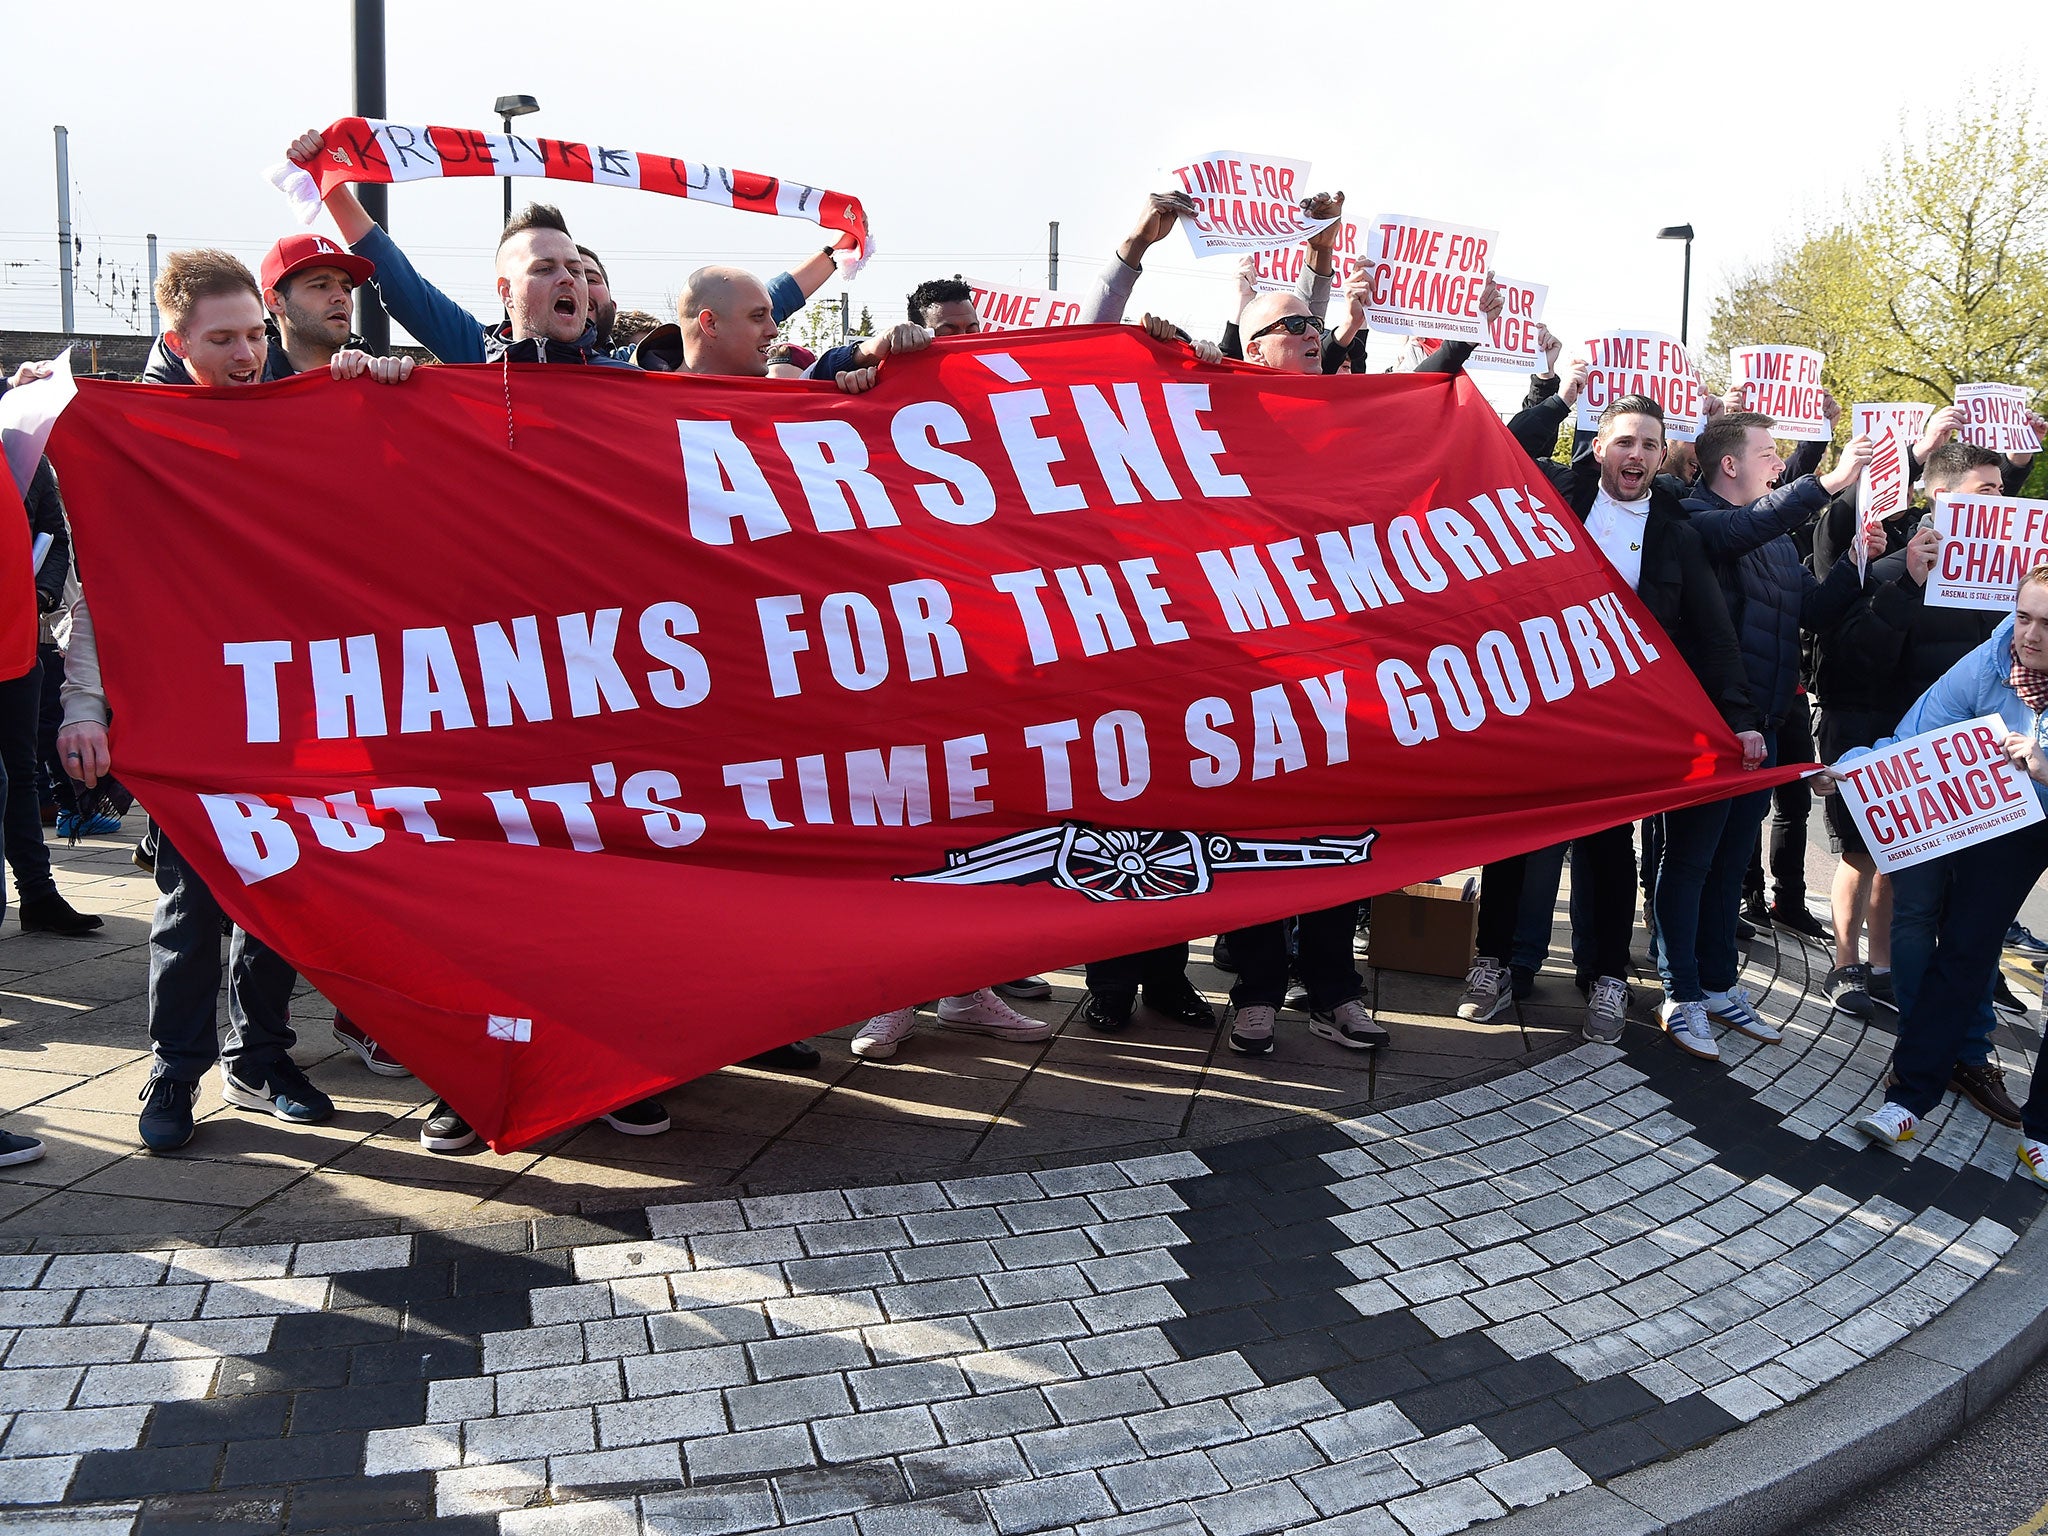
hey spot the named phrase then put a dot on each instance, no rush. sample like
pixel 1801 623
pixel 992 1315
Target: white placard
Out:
pixel 1245 202
pixel 1995 416
pixel 1783 384
pixel 1280 271
pixel 1427 277
pixel 1643 363
pixel 1883 490
pixel 1004 308
pixel 1987 544
pixel 1908 420
pixel 1934 793
pixel 28 414
pixel 1512 341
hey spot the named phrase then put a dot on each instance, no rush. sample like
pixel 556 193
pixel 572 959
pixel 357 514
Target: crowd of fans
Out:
pixel 1745 558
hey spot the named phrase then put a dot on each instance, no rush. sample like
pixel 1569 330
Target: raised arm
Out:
pixel 1729 532
pixel 441 325
pixel 1113 285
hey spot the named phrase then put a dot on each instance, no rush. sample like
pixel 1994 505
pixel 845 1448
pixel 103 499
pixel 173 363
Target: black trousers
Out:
pixel 1119 977
pixel 21 700
pixel 1322 957
pixel 1791 804
pixel 1605 864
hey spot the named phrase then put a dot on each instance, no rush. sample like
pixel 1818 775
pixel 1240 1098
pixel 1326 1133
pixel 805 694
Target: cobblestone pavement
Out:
pixel 1402 1321
pixel 73 1055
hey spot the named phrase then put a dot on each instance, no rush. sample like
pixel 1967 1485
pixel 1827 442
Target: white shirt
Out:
pixel 1617 527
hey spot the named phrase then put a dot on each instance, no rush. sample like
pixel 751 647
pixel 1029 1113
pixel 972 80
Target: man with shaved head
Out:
pixel 540 280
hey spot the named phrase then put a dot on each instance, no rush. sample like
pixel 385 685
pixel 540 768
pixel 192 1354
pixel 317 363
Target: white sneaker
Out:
pixel 1486 991
pixel 880 1036
pixel 1687 1025
pixel 2033 1162
pixel 1606 1010
pixel 983 1013
pixel 1889 1123
pixel 1251 1029
pixel 1734 1009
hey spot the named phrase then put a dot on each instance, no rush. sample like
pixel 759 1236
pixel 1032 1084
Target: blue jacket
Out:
pixel 1771 594
pixel 448 330
pixel 1979 684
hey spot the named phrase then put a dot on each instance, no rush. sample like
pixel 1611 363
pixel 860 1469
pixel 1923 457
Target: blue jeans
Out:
pixel 1687 841
pixel 1919 895
pixel 1986 886
pixel 184 983
pixel 1540 877
pixel 1721 898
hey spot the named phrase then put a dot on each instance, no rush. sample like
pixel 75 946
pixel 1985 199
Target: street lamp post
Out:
pixel 1682 232
pixel 509 107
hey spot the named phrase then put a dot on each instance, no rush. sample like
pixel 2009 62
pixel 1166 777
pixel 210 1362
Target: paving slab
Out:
pixel 1119 1285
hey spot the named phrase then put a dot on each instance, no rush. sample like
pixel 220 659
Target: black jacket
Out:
pixel 1893 648
pixel 1771 594
pixel 46 515
pixel 1677 586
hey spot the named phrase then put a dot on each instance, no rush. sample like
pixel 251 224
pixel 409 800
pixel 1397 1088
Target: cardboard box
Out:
pixel 1428 929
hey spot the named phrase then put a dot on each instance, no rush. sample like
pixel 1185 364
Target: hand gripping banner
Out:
pixel 720 712
pixel 365 149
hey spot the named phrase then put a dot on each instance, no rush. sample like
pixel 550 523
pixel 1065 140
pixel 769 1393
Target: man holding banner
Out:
pixel 1640 528
pixel 214 323
pixel 1989 876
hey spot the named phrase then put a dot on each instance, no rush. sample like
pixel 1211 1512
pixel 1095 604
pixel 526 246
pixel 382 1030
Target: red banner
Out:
pixel 702 714
pixel 18 626
pixel 356 149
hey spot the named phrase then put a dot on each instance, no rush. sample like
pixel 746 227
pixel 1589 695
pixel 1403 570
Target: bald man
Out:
pixel 540 282
pixel 1280 331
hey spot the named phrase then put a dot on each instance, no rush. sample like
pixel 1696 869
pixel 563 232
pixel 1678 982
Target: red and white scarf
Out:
pixel 2031 686
pixel 356 149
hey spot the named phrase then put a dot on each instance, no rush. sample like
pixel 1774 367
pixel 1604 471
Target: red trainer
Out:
pixel 375 1057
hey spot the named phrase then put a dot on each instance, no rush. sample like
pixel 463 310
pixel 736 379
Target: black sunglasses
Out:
pixel 1293 325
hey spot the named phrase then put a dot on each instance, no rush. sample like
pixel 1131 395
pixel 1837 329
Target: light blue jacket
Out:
pixel 1979 684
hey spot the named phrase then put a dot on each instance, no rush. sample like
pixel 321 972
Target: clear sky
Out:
pixel 1574 131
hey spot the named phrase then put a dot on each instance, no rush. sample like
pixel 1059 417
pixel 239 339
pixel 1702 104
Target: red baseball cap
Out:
pixel 295 253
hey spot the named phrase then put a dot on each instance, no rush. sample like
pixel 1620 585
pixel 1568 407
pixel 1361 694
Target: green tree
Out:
pixel 815 325
pixel 1933 274
pixel 867 323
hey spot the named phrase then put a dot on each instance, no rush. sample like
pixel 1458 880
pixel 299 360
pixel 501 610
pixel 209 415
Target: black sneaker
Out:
pixel 1027 989
pixel 16 1149
pixel 165 1123
pixel 444 1130
pixel 283 1092
pixel 643 1117
pixel 1220 957
pixel 1879 985
pixel 1107 1015
pixel 1179 1001
pixel 53 914
pixel 1744 931
pixel 1297 1000
pixel 1351 1025
pixel 1848 989
pixel 797 1056
pixel 1755 909
pixel 1521 981
pixel 1800 921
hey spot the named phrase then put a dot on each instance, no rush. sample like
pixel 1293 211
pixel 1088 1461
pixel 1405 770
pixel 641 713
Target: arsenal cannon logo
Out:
pixel 1131 864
